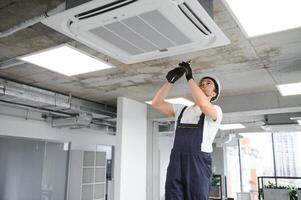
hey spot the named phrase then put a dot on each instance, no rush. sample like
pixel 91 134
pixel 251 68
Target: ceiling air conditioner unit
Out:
pixel 139 30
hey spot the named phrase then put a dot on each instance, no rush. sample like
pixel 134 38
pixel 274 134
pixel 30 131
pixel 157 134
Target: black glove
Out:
pixel 173 75
pixel 187 69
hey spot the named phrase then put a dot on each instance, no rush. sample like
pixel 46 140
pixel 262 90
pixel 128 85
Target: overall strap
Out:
pixel 181 114
pixel 202 117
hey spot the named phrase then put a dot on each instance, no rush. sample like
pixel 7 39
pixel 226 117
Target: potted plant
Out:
pixel 273 192
pixel 215 186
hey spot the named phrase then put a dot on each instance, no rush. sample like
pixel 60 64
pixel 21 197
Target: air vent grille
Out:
pixel 143 33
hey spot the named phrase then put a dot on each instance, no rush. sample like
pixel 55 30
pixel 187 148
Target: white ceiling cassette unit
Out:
pixel 134 31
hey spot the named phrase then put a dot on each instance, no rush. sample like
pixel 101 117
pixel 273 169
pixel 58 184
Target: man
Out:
pixel 189 170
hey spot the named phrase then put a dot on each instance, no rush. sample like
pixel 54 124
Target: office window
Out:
pixel 256 154
pixel 287 147
pixel 263 154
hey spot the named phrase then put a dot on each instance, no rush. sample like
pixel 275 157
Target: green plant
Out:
pixel 215 181
pixel 292 190
pixel 292 193
pixel 272 185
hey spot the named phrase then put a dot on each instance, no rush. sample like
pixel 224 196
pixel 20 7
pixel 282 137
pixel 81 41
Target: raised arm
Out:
pixel 200 98
pixel 158 101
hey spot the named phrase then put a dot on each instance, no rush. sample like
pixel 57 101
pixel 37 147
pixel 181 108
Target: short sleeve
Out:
pixel 213 126
pixel 177 108
pixel 219 114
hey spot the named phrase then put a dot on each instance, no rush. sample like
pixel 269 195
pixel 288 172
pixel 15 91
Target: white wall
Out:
pixel 85 139
pixel 130 168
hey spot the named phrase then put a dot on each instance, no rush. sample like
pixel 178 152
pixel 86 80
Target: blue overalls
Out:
pixel 189 170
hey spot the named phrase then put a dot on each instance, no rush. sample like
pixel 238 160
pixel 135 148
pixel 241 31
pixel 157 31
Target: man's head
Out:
pixel 211 87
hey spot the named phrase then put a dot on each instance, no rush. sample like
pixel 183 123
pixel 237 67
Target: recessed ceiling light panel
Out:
pixel 289 89
pixel 66 60
pixel 257 17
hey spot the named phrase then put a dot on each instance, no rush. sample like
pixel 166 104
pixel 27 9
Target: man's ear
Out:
pixel 215 94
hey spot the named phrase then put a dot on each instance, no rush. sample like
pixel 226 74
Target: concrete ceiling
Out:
pixel 248 69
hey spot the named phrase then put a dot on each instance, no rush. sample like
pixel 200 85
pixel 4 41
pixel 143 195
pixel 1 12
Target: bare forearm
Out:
pixel 158 101
pixel 161 94
pixel 198 95
pixel 202 100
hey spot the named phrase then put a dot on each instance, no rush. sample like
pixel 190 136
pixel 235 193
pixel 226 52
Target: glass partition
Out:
pixel 33 169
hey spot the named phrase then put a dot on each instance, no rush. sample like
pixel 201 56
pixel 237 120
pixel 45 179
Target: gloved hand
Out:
pixel 187 69
pixel 173 75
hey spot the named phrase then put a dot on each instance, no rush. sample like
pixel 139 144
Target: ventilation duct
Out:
pixel 25 95
pixel 82 120
pixel 133 31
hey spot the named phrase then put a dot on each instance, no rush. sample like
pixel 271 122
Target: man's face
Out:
pixel 208 87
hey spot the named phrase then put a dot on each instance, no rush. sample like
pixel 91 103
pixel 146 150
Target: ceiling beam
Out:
pixel 259 104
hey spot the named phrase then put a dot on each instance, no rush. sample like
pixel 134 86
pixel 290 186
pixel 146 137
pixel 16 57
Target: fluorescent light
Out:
pixel 66 60
pixel 231 126
pixel 177 101
pixel 262 17
pixel 290 89
pixel 299 121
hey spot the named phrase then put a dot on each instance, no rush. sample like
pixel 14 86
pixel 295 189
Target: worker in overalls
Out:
pixel 189 170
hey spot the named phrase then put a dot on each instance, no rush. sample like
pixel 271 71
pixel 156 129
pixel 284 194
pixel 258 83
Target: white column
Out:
pixel 130 156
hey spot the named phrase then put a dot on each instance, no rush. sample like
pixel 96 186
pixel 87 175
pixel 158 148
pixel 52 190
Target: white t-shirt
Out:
pixel 192 115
